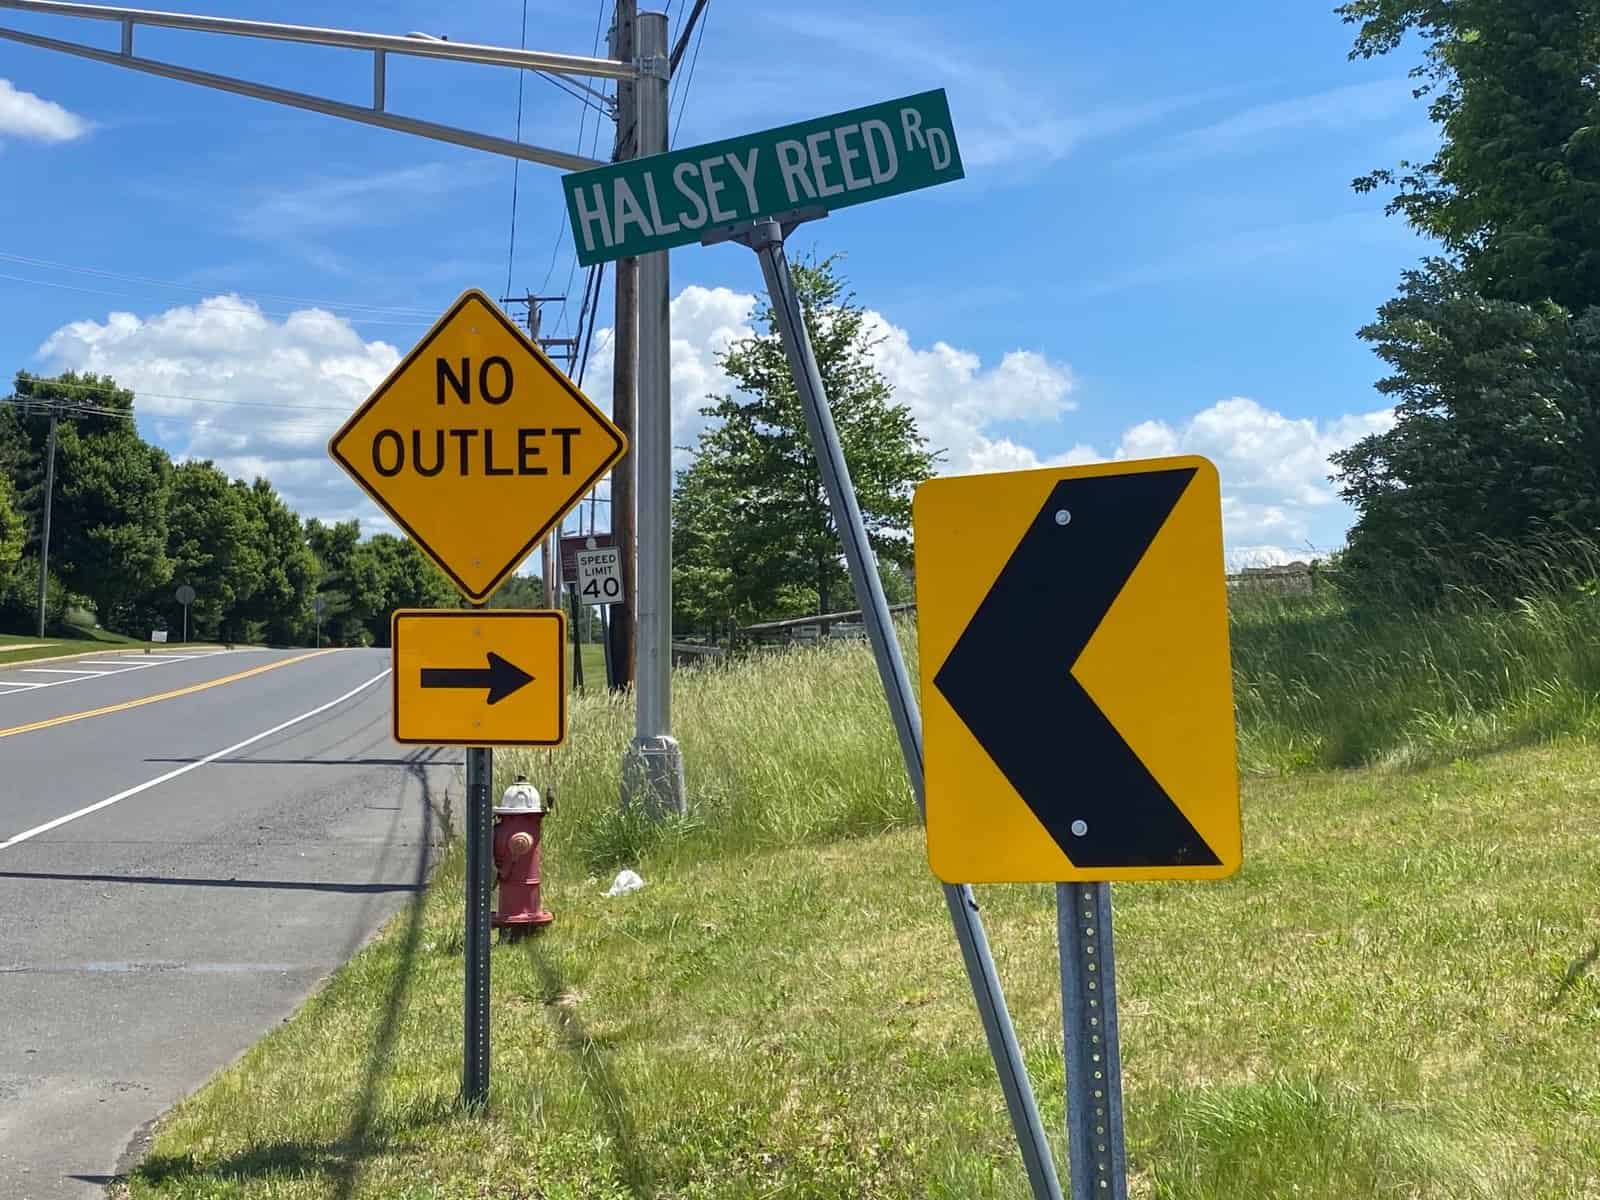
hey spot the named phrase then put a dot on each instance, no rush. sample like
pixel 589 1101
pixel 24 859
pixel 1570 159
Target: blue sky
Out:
pixel 1155 249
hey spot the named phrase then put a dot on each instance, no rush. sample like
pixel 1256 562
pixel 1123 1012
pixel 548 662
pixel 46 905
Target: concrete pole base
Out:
pixel 652 777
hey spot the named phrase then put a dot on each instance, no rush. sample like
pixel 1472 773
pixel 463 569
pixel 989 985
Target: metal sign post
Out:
pixel 480 877
pixel 1097 1160
pixel 476 420
pixel 185 597
pixel 766 239
pixel 577 645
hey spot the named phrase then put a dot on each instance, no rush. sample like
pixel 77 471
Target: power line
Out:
pixel 516 164
pixel 583 114
pixel 101 387
pixel 688 83
pixel 684 30
pixel 594 315
pixel 48 264
pixel 566 87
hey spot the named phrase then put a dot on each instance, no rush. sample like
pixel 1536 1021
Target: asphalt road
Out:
pixel 189 844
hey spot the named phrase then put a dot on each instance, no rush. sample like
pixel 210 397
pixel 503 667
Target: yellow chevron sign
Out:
pixel 1076 682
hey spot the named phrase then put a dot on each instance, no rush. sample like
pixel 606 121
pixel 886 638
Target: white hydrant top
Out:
pixel 520 797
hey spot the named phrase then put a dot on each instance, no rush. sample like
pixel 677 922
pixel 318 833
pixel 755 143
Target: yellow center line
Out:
pixel 172 695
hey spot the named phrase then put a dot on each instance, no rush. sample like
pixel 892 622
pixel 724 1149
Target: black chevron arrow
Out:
pixel 1063 756
pixel 500 677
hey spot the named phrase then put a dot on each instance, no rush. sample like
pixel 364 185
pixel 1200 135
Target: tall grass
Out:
pixel 795 747
pixel 1330 681
pixel 781 749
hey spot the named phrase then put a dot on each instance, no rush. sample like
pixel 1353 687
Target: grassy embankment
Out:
pixel 1398 996
pixel 18 648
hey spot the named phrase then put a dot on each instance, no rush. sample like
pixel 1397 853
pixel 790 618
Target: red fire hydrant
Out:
pixel 517 858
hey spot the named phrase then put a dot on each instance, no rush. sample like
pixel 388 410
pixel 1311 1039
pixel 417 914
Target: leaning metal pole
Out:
pixel 766 239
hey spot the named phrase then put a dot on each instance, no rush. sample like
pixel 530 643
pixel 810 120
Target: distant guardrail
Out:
pixel 836 626
pixel 1290 579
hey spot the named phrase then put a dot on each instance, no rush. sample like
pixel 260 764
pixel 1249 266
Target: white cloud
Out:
pixel 284 385
pixel 1274 470
pixel 24 115
pixel 705 321
pixel 955 399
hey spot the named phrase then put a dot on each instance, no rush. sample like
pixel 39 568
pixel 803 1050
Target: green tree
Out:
pixel 18 576
pixel 215 543
pixel 13 531
pixel 280 606
pixel 348 582
pixel 1513 193
pixel 520 591
pixel 109 517
pixel 752 531
pixel 406 579
pixel 362 583
pixel 1491 344
pixel 1496 438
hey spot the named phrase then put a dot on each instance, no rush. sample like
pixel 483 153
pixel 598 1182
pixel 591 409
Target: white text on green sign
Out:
pixel 831 162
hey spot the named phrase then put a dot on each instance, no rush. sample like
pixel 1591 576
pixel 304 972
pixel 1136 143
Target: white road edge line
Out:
pixel 143 666
pixel 187 767
pixel 63 671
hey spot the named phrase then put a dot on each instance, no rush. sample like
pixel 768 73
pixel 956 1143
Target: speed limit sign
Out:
pixel 600 576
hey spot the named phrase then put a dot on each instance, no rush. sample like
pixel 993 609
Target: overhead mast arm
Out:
pixel 380 45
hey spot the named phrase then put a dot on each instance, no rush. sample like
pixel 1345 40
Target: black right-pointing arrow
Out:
pixel 1009 676
pixel 502 678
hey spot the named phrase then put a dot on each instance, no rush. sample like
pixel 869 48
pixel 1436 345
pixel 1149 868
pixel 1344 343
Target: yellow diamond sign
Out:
pixel 477 445
pixel 1076 683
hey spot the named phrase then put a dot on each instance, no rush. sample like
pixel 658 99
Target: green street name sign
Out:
pixel 852 157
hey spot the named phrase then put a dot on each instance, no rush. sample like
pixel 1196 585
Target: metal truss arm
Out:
pixel 380 45
pixel 500 56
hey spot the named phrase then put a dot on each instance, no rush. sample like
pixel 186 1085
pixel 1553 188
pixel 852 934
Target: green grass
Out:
pixel 1397 997
pixel 81 641
pixel 1319 683
pixel 594 667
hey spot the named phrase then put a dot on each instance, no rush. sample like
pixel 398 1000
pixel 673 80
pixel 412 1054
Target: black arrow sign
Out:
pixel 1061 753
pixel 500 677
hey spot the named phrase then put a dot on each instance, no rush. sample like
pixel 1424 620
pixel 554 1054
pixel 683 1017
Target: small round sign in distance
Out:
pixel 185 594
pixel 318 604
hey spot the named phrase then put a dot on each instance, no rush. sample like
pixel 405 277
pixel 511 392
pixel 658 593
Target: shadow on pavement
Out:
pixel 283 885
pixel 311 762
pixel 342 1160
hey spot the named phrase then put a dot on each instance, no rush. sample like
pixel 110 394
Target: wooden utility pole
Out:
pixel 624 377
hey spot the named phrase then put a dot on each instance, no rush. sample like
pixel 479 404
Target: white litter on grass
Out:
pixel 625 882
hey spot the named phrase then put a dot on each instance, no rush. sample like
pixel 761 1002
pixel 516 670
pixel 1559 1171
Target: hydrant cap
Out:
pixel 520 797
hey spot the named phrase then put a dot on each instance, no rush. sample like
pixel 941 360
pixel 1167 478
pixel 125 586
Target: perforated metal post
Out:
pixel 480 877
pixel 1097 1160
